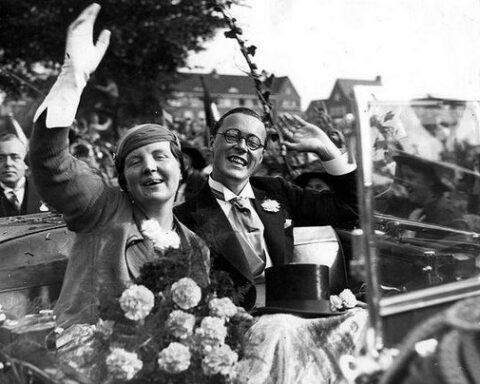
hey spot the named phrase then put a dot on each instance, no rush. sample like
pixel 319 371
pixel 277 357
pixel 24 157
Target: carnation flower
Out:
pixel 220 360
pixel 186 293
pixel 175 358
pixel 223 308
pixel 123 365
pixel 105 328
pixel 336 303
pixel 345 300
pixel 270 205
pixel 137 301
pixel 161 240
pixel 181 324
pixel 212 332
pixel 348 298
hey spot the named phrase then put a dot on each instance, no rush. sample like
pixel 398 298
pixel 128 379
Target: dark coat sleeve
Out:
pixel 308 207
pixel 66 183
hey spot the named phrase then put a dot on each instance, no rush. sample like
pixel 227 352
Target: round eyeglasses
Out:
pixel 233 136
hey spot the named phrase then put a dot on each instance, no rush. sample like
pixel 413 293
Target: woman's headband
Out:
pixel 138 137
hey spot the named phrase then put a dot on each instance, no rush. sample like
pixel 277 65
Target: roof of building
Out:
pixel 320 103
pixel 346 85
pixel 221 84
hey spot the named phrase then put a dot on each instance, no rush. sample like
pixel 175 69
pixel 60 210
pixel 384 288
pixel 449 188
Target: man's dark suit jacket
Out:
pixel 31 202
pixel 298 208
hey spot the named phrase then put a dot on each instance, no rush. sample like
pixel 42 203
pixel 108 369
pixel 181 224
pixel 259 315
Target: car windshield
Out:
pixel 426 184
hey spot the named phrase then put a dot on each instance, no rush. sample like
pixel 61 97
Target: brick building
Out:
pixel 228 91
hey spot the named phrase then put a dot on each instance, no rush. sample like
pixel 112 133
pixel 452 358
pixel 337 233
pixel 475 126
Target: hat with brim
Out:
pixel 298 289
pixel 198 161
pixel 303 179
pixel 443 173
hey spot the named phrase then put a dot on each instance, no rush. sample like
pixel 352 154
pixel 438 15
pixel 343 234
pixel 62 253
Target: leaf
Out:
pixel 230 34
pixel 251 50
pixel 269 81
pixel 388 116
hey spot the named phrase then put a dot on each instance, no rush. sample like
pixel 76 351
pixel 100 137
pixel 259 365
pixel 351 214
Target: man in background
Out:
pixel 18 195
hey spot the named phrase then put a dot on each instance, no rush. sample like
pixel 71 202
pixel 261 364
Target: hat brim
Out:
pixel 198 161
pixel 440 168
pixel 294 311
pixel 301 308
pixel 302 179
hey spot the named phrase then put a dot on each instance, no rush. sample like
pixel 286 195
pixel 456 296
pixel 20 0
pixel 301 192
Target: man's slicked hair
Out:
pixel 242 110
pixel 8 136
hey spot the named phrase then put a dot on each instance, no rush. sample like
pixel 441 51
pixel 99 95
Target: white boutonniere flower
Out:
pixel 270 205
pixel 161 240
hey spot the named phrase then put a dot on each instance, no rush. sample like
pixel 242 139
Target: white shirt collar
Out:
pixel 247 191
pixel 20 186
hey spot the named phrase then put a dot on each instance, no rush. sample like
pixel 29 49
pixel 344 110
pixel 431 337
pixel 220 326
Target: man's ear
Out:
pixel 211 141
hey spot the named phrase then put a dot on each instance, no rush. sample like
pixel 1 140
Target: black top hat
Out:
pixel 300 289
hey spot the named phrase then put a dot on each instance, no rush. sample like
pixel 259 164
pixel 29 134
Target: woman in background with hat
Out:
pixel 429 186
pixel 112 239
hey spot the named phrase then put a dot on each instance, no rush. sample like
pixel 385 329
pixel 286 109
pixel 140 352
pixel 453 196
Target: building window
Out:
pixel 338 111
pixel 232 90
pixel 241 102
pixel 225 103
pixel 289 104
pixel 195 102
pixel 174 103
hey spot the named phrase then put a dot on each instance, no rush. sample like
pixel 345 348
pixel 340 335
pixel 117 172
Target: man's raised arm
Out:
pixel 301 136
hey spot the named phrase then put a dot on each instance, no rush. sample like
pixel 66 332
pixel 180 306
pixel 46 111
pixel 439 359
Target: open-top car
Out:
pixel 34 251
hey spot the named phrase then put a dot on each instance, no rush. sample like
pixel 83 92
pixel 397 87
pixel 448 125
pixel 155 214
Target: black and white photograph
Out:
pixel 239 192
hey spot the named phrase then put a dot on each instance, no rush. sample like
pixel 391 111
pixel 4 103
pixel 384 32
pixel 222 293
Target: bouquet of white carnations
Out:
pixel 174 336
pixel 166 328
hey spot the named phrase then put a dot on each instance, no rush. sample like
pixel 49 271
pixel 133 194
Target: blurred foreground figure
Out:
pixel 442 350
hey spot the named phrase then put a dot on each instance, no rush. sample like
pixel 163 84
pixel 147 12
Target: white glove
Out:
pixel 81 59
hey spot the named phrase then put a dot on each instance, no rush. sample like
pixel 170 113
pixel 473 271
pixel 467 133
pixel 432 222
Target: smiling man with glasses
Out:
pixel 248 221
